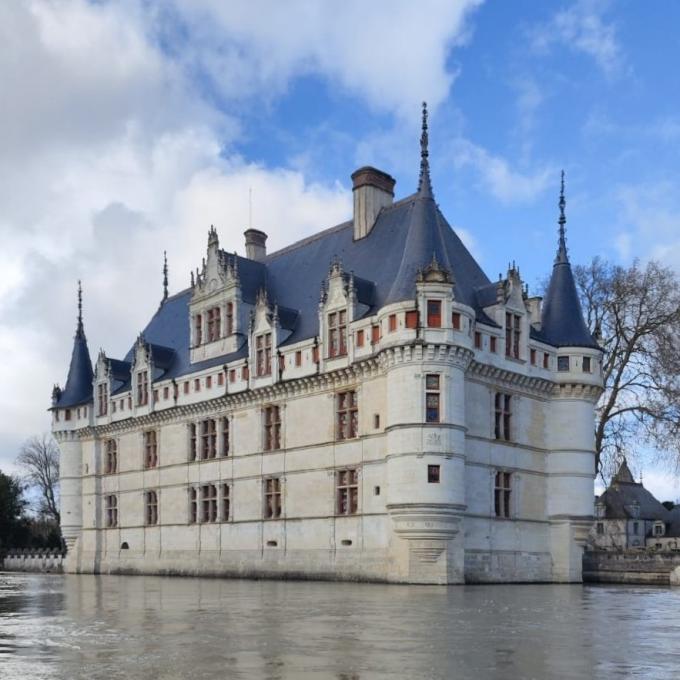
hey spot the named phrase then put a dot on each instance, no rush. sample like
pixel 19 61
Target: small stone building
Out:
pixel 628 516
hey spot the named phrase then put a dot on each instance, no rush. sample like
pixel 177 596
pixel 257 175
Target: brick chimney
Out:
pixel 256 248
pixel 373 190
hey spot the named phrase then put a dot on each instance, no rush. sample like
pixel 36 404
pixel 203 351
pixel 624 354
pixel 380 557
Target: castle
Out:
pixel 364 404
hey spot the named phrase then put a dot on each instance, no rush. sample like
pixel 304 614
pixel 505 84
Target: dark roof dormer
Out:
pixel 562 319
pixel 78 388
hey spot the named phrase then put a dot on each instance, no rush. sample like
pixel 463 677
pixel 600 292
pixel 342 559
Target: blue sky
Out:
pixel 130 127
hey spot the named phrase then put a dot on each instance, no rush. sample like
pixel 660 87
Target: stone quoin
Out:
pixel 364 404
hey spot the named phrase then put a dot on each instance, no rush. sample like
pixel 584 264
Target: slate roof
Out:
pixel 78 388
pixel 406 237
pixel 624 492
pixel 561 316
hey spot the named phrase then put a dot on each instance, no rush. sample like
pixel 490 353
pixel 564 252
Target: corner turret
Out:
pixel 562 319
pixel 78 388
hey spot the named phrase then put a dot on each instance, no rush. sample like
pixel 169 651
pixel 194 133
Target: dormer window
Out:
pixel 434 313
pixel 513 333
pixel 198 326
pixel 142 388
pixel 337 333
pixel 102 399
pixel 214 321
pixel 263 354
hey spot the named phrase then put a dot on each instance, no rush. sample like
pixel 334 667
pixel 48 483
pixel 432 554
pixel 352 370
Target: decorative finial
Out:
pixel 80 331
pixel 165 276
pixel 424 184
pixel 562 241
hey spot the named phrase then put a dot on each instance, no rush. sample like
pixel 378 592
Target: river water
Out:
pixel 71 627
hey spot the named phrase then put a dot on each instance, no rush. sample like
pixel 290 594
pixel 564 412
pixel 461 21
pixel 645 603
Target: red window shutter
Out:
pixel 244 373
pixel 282 362
pixel 455 320
pixel 412 319
pixel 392 322
pixel 360 338
pixel 220 379
pixel 375 334
pixel 315 354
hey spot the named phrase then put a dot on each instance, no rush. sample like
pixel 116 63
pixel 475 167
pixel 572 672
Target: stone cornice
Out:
pixel 339 378
pixel 421 351
pixel 502 376
pixel 578 391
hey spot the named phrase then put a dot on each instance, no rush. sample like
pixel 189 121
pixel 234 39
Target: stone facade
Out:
pixel 430 439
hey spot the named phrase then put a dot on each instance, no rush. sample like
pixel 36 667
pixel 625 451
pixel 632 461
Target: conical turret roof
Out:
pixel 425 242
pixel 562 319
pixel 78 388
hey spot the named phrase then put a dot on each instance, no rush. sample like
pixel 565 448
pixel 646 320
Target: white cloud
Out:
pixel 117 130
pixel 497 175
pixel 247 46
pixel 583 28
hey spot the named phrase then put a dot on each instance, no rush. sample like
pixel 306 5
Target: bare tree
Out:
pixel 635 314
pixel 39 459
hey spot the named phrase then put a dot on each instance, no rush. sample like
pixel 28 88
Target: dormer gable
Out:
pixel 217 314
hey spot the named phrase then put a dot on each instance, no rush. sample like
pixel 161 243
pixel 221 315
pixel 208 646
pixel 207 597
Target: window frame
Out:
pixel 271 420
pixel 432 396
pixel 346 415
pixel 337 333
pixel 503 416
pixel 110 456
pixel 150 441
pixel 150 507
pixel 263 354
pixel 111 511
pixel 347 491
pixel 502 497
pixel 272 498
pixel 513 335
pixel 434 313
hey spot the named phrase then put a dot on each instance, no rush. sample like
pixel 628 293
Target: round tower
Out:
pixel 570 464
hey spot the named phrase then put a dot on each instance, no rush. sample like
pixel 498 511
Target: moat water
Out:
pixel 71 627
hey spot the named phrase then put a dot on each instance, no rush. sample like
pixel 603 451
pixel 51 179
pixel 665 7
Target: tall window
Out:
pixel 226 503
pixel 263 354
pixel 455 320
pixel 347 484
pixel 193 505
pixel 208 503
pixel 198 330
pixel 501 496
pixel 272 428
pixel 151 508
pixel 150 449
pixel 102 398
pixel 434 313
pixel 432 398
pixel 142 388
pixel 225 436
pixel 229 326
pixel 193 441
pixel 347 415
pixel 208 439
pixel 214 321
pixel 586 365
pixel 272 498
pixel 111 460
pixel 337 333
pixel 512 334
pixel 111 511
pixel 503 414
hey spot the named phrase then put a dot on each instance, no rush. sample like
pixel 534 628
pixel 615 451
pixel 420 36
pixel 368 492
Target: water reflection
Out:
pixel 67 627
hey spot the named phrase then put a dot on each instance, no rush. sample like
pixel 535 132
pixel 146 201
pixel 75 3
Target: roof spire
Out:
pixel 562 242
pixel 80 330
pixel 165 276
pixel 424 184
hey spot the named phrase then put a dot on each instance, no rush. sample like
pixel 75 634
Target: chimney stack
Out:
pixel 256 248
pixel 373 190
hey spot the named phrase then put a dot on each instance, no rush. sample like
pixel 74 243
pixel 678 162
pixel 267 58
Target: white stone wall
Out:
pixel 407 529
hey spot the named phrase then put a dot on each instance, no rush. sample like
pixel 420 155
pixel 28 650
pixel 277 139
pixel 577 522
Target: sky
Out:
pixel 127 128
